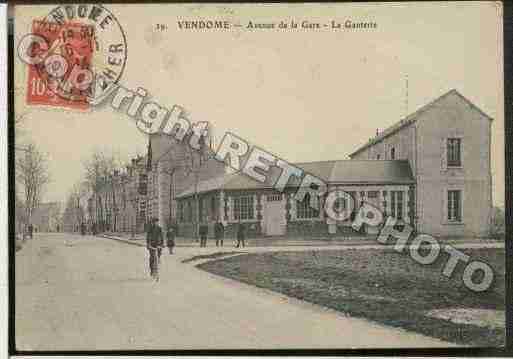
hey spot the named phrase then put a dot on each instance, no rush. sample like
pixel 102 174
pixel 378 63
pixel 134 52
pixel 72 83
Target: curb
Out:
pixel 122 240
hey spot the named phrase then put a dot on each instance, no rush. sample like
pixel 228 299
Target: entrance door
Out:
pixel 274 215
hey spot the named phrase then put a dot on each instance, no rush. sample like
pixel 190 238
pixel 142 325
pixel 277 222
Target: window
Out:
pixel 453 152
pixel 396 204
pixel 454 206
pixel 372 194
pixel 213 206
pixel 392 153
pixel 201 212
pixel 304 210
pixel 243 207
pixel 188 215
pixel 378 156
pixel 143 184
pixel 274 198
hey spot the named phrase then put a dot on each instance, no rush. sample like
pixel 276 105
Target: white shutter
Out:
pixel 444 205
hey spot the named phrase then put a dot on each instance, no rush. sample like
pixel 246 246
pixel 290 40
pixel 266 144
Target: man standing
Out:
pixel 241 236
pixel 203 231
pixel 219 233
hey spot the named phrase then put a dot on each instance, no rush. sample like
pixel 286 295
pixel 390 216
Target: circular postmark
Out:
pixel 85 51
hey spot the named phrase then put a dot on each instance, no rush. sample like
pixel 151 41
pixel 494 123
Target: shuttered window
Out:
pixel 454 206
pixel 453 152
pixel 396 204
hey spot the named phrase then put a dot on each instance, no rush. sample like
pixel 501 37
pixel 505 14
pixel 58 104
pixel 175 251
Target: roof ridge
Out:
pixel 401 122
pixel 411 118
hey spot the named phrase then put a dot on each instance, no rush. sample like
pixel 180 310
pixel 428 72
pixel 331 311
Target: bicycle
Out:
pixel 154 262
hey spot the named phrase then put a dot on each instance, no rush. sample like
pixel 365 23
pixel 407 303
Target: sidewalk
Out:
pixel 140 240
pixel 190 252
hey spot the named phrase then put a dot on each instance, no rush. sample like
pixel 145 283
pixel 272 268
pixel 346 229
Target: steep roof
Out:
pixel 412 118
pixel 343 172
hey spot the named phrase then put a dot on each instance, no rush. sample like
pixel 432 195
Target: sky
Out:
pixel 304 95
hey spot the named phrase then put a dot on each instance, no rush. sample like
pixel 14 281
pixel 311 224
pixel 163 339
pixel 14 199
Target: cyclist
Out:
pixel 154 243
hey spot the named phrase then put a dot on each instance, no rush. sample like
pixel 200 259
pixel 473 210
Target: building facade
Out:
pixel 430 170
pixel 448 146
pixel 175 167
pixel 235 198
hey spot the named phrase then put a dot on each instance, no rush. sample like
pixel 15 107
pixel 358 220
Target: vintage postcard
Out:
pixel 258 176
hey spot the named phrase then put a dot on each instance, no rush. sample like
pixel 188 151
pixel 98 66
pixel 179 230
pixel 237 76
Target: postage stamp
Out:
pixel 74 43
pixel 74 50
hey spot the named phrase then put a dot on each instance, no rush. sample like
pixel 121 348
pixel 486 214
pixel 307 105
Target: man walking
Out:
pixel 159 236
pixel 219 233
pixel 170 238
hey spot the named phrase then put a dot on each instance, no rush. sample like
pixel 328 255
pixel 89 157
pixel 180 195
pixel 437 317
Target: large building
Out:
pixel 447 144
pixel 176 167
pixel 430 170
pixel 128 199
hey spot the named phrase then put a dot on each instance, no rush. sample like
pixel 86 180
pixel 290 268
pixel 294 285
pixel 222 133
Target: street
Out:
pixel 89 293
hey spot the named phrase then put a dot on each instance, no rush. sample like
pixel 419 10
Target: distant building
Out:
pixel 128 200
pixel 46 217
pixel 120 204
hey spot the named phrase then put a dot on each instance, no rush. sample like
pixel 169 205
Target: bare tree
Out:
pixel 20 214
pixel 99 175
pixel 74 212
pixel 33 176
pixel 78 191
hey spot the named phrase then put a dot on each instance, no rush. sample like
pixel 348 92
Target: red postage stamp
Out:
pixel 74 44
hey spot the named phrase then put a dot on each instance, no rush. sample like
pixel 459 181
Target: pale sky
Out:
pixel 304 95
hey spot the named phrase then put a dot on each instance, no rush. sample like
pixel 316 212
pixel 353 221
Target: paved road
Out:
pixel 87 293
